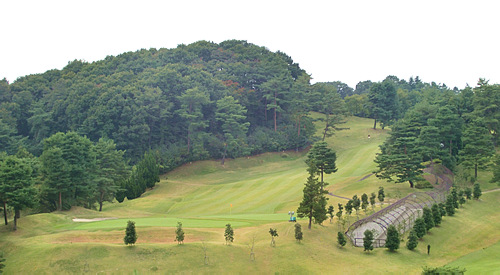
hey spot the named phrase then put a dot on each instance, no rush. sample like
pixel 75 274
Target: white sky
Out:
pixel 451 42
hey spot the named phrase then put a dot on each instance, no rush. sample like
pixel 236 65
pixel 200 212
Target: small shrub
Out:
pixel 130 233
pixel 443 270
pixel 298 232
pixel 412 240
pixel 368 240
pixel 341 239
pixel 392 241
pixel 179 233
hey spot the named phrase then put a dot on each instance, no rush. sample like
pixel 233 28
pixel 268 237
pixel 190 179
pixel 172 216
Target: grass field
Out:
pixel 253 194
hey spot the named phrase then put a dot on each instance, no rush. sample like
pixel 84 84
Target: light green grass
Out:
pixel 261 189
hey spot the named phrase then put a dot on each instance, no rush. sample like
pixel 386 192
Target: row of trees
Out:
pixel 452 129
pixel 72 171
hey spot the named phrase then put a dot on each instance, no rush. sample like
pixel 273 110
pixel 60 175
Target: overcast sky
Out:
pixel 451 42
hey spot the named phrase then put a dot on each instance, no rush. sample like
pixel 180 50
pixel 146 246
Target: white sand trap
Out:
pixel 93 220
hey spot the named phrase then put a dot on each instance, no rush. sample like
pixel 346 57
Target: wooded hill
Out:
pixel 193 102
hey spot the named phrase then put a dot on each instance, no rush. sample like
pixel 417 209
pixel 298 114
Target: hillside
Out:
pixel 261 190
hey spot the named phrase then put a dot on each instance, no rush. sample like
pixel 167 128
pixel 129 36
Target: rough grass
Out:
pixel 261 189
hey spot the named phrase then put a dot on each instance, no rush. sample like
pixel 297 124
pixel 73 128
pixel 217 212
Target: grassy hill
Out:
pixel 253 194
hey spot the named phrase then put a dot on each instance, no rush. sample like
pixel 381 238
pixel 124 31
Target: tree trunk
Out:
pixel 15 222
pixel 411 183
pixel 450 147
pixel 17 213
pixel 310 221
pixel 298 134
pixel 224 155
pixel 275 128
pixel 475 171
pixel 101 198
pixel 5 213
pixel 60 201
pixel 375 124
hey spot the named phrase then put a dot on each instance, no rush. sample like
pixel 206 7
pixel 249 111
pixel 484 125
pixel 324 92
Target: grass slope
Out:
pixel 261 189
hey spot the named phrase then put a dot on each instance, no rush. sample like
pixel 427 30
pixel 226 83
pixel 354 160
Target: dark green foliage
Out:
pixel 496 169
pixel 111 171
pixel 381 194
pixel 382 98
pixel 330 212
pixel 68 167
pixel 348 207
pixel 130 234
pixel 477 191
pixel 372 200
pixel 468 193
pixel 16 185
pixel 478 146
pixel 368 240
pixel 274 233
pixel 341 239
pixel 145 174
pixel 179 233
pixel 454 197
pixel 392 241
pixel 339 211
pixel 442 209
pixel 2 260
pixel 171 100
pixel 229 234
pixel 356 203
pixel 450 205
pixel 298 232
pixel 443 270
pixel 321 160
pixel 428 218
pixel 364 201
pixel 412 240
pixel 420 228
pixel 313 204
pixel 436 214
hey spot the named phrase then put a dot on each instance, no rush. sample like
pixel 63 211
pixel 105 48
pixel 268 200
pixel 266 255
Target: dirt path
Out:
pixel 492 190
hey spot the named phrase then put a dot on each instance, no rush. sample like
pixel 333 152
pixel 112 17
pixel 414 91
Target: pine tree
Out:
pixel 179 233
pixel 313 204
pixel 436 214
pixel 381 195
pixel 477 191
pixel 428 218
pixel 450 206
pixel 229 234
pixel 412 240
pixel 298 232
pixel 468 193
pixel 341 239
pixel 321 160
pixel 330 212
pixel 368 240
pixel 364 202
pixel 130 234
pixel 420 228
pixel 392 241
pixel 372 201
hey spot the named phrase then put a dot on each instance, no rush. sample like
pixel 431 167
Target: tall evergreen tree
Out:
pixel 420 228
pixel 229 234
pixel 383 101
pixel 436 214
pixel 368 240
pixel 313 205
pixel 321 160
pixel 392 241
pixel 477 191
pixel 412 240
pixel 428 218
pixel 478 147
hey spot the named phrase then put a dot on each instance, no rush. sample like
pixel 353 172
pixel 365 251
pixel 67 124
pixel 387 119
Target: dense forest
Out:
pixel 108 128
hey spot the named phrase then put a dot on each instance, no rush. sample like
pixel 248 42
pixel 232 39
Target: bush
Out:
pixel 298 232
pixel 130 233
pixel 443 270
pixel 392 241
pixel 341 239
pixel 412 240
pixel 368 240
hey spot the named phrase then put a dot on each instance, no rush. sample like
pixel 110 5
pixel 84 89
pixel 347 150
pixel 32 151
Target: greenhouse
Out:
pixel 401 214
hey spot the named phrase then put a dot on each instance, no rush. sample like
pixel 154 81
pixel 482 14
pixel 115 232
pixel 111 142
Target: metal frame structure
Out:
pixel 401 214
